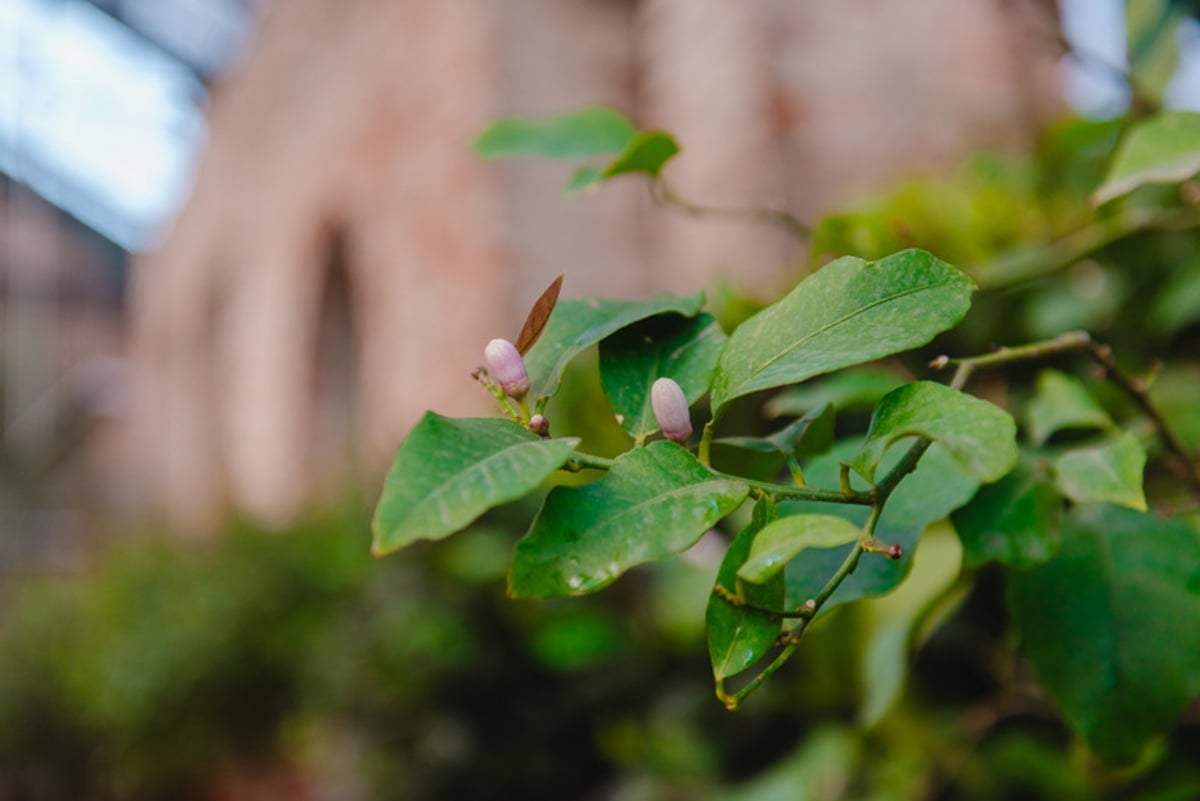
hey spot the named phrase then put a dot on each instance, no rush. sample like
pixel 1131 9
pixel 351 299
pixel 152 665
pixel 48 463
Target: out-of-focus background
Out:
pixel 244 244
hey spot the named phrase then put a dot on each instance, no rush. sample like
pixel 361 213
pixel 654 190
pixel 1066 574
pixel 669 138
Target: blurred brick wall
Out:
pixel 341 147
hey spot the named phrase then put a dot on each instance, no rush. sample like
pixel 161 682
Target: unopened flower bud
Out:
pixel 894 550
pixel 505 364
pixel 539 425
pixel 671 410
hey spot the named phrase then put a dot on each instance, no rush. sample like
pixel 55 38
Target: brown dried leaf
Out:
pixel 535 323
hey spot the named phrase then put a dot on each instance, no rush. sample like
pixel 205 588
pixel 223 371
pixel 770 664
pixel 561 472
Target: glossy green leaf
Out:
pixel 576 324
pixel 589 132
pixel 1061 402
pixel 894 625
pixel 654 502
pixel 979 435
pixel 804 436
pixel 849 390
pixel 849 312
pixel 1108 473
pixel 781 541
pixel 1110 625
pixel 665 346
pixel 646 153
pixel 936 488
pixel 448 472
pixel 739 636
pixel 1014 521
pixel 1162 149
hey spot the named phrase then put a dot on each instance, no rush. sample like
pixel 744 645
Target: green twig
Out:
pixel 787 492
pixel 580 461
pixel 1081 342
pixel 737 599
pixel 703 452
pixel 792 638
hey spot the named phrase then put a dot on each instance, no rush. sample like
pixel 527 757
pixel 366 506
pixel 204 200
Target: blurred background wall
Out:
pixel 342 256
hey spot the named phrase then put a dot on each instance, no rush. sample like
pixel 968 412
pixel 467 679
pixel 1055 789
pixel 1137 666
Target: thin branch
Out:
pixel 789 222
pixel 1027 265
pixel 792 638
pixel 788 492
pixel 737 599
pixel 1081 342
pixel 1137 392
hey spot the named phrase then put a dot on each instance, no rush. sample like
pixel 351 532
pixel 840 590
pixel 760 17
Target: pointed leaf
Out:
pixel 583 178
pixel 780 542
pixel 655 501
pixel 448 472
pixel 539 315
pixel 848 390
pixel 936 488
pixel 1014 521
pixel 1163 149
pixel 739 636
pixel 851 311
pixel 646 153
pixel 576 324
pixel 1110 625
pixel 1108 473
pixel 814 431
pixel 979 435
pixel 665 346
pixel 1061 402
pixel 895 624
pixel 589 132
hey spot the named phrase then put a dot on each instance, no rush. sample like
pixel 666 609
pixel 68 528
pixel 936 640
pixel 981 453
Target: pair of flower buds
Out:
pixel 505 365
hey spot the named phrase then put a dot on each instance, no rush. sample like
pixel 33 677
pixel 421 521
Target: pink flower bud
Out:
pixel 538 424
pixel 671 410
pixel 505 364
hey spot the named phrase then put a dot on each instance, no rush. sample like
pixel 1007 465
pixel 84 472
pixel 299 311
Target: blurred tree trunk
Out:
pixel 343 257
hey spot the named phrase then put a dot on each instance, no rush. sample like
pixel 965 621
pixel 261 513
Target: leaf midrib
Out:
pixel 478 467
pixel 660 498
pixel 817 332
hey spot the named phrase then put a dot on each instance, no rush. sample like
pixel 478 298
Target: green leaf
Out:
pixel 655 501
pixel 1151 27
pixel 1163 149
pixel 1110 626
pixel 894 625
pixel 589 132
pixel 664 346
pixel 1108 473
pixel 807 435
pixel 1014 521
pixel 737 635
pixel 980 435
pixel 1061 402
pixel 849 390
pixel 936 488
pixel 576 324
pixel 851 311
pixel 583 178
pixel 781 541
pixel 448 472
pixel 646 153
